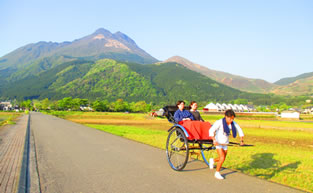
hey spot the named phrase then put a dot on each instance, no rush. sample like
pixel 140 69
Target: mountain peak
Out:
pixel 123 37
pixel 183 61
pixel 102 31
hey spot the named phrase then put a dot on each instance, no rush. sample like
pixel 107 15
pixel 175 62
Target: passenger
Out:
pixel 181 114
pixel 194 112
pixel 220 132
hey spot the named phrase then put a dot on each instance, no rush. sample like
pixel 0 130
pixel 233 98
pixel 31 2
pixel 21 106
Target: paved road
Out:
pixel 75 158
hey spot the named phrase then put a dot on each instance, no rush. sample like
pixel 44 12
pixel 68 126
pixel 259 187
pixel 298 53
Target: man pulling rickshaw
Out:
pixel 188 130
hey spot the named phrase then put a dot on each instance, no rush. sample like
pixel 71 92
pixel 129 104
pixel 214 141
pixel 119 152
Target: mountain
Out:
pixel 111 80
pixel 234 81
pixel 38 57
pixel 286 81
pixel 300 85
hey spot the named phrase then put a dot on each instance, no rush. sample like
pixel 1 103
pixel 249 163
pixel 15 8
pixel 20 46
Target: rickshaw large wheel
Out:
pixel 177 150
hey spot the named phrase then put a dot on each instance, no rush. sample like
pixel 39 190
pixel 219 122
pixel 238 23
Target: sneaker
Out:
pixel 211 163
pixel 218 176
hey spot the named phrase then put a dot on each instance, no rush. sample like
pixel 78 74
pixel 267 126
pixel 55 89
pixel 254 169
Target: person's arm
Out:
pixel 191 116
pixel 177 116
pixel 186 115
pixel 212 132
pixel 240 132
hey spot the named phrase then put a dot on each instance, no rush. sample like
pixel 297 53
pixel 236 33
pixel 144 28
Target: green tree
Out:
pixel 99 105
pixel 54 105
pixel 26 104
pixel 119 106
pixel 65 103
pixel 45 103
pixel 75 104
pixel 140 106
pixel 37 104
pixel 84 102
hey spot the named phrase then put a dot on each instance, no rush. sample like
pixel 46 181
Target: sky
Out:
pixel 263 39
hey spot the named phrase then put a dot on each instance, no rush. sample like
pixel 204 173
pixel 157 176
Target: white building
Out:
pixel 290 115
pixel 211 107
pixel 5 106
pixel 225 107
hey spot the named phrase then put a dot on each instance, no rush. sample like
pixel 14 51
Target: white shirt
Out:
pixel 218 130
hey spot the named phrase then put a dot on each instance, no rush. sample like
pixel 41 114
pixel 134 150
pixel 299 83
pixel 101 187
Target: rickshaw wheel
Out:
pixel 177 149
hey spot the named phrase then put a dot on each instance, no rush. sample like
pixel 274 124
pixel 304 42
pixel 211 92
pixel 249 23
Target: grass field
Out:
pixel 282 150
pixel 8 117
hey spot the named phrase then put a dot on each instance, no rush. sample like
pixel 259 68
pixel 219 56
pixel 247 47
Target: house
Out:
pixel 290 115
pixel 211 108
pixel 244 108
pixel 232 107
pixel 219 106
pixel 308 110
pixel 239 108
pixel 5 106
pixel 225 107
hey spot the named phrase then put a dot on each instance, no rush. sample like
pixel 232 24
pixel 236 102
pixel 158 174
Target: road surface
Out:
pixel 74 158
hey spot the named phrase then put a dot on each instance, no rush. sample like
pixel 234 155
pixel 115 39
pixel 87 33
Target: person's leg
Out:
pixel 220 160
pixel 218 147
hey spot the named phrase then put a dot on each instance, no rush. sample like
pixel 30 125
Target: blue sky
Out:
pixel 256 39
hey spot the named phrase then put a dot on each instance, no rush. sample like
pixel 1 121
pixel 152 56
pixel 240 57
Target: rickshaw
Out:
pixel 179 145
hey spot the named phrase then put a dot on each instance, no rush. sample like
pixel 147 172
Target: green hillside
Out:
pixel 111 80
pixel 302 86
pixel 108 79
pixel 286 81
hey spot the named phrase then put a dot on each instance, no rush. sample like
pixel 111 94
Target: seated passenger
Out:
pixel 194 112
pixel 181 114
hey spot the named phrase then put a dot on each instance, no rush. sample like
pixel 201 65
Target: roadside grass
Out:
pixel 8 118
pixel 282 150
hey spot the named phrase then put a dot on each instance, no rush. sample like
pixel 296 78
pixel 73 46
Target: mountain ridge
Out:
pixel 288 80
pixel 234 81
pixel 100 44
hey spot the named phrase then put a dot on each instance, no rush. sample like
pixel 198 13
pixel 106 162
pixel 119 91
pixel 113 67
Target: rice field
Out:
pixel 282 150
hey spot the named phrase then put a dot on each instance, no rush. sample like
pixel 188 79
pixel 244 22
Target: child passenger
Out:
pixel 220 132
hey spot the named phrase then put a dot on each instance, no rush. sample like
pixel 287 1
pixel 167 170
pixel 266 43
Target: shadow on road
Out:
pixel 264 165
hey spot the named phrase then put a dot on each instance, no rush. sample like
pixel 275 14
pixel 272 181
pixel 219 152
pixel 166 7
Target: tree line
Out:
pixel 120 105
pixel 78 104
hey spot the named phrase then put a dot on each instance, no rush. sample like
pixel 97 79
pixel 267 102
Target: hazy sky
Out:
pixel 253 38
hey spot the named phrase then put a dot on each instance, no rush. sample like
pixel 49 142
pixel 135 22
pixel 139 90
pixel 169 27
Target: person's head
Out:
pixel 193 105
pixel 229 116
pixel 180 105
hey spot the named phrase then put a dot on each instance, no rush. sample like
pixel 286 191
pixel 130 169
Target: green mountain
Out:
pixel 286 81
pixel 109 79
pixel 303 86
pixel 234 81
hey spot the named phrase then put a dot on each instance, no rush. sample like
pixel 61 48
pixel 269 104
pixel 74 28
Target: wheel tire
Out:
pixel 177 150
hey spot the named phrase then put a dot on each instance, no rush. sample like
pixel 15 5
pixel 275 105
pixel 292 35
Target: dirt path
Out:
pixel 75 158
